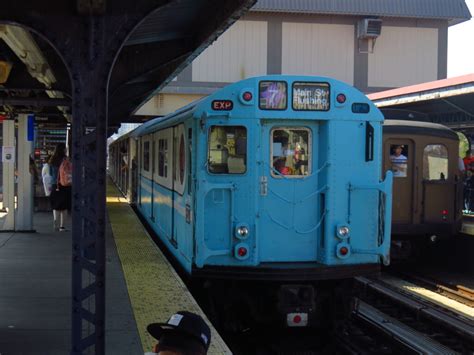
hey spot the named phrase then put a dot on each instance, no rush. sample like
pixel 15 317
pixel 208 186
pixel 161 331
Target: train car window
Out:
pixel 163 158
pixel 146 156
pixel 227 150
pixel 291 151
pixel 399 160
pixel 435 162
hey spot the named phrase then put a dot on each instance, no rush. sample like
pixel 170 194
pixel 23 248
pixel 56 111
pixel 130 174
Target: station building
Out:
pixel 371 45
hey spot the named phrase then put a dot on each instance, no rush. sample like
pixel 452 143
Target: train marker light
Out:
pixel 343 232
pixel 343 250
pixel 247 96
pixel 341 98
pixel 444 213
pixel 241 251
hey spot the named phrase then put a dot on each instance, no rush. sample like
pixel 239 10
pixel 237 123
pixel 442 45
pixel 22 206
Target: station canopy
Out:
pixel 33 78
pixel 448 101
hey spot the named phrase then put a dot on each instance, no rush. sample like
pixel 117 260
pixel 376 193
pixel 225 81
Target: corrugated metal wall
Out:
pixel 404 56
pixel 241 52
pixel 318 49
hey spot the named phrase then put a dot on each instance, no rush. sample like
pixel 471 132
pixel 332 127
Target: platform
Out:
pixel 156 291
pixel 35 294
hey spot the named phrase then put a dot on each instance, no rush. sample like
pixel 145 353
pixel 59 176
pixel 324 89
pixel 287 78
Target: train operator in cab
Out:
pixel 399 161
pixel 185 333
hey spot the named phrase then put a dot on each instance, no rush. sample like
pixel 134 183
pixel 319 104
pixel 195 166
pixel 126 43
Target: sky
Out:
pixel 461 46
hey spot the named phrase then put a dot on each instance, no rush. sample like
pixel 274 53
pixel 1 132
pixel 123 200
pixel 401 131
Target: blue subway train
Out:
pixel 271 179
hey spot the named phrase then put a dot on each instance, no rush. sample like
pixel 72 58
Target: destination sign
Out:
pixel 310 96
pixel 272 95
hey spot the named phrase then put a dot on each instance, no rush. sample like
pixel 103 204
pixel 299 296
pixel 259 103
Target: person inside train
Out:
pixel 184 333
pixel 399 161
pixel 468 181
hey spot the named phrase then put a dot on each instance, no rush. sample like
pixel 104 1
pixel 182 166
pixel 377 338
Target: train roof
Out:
pixel 231 92
pixel 419 128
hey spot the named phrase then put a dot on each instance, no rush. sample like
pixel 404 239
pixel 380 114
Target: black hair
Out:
pixel 58 155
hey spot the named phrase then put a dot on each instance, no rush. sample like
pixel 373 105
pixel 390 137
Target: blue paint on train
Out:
pixel 269 170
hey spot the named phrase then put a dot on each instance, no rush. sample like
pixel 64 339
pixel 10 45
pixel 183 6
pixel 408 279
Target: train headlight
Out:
pixel 242 231
pixel 343 231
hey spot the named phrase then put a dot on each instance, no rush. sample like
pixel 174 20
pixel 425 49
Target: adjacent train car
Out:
pixel 427 187
pixel 275 179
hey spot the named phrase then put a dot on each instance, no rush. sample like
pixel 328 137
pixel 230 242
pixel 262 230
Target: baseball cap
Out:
pixel 184 322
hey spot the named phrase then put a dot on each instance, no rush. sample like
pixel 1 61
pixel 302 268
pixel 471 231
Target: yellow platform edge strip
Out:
pixel 154 288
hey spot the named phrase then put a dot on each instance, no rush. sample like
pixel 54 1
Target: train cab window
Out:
pixel 399 160
pixel 146 156
pixel 227 150
pixel 435 162
pixel 291 152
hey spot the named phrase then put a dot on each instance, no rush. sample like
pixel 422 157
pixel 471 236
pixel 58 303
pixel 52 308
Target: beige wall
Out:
pixel 318 49
pixel 239 53
pixel 404 56
pixel 164 104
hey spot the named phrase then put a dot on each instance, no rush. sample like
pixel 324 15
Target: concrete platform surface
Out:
pixel 35 294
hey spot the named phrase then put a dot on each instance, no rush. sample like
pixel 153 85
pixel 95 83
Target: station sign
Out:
pixel 309 96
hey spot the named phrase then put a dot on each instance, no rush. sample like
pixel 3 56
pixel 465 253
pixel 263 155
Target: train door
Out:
pixel 400 158
pixel 178 182
pixel 288 180
pixel 439 185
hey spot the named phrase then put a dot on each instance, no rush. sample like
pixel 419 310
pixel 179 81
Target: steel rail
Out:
pixel 411 339
pixel 424 309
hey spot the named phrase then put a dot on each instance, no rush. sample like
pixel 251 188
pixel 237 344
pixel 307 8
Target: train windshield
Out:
pixel 435 162
pixel 227 150
pixel 291 151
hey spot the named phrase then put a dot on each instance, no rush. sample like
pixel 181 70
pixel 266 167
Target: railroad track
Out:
pixel 416 324
pixel 456 292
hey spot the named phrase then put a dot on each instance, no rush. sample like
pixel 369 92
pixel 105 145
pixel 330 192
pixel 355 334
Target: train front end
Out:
pixel 289 186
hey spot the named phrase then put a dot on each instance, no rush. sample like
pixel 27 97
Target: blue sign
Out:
pixel 31 128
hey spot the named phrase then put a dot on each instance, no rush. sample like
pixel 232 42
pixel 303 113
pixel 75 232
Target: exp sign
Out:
pixel 222 105
pixel 310 96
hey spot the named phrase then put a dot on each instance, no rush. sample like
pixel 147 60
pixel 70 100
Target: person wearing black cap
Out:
pixel 185 333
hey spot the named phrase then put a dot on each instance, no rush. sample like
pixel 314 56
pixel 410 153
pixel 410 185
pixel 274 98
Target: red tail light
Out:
pixel 343 251
pixel 242 252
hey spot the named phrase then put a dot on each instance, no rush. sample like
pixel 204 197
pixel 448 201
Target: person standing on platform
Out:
pixel 61 177
pixel 185 333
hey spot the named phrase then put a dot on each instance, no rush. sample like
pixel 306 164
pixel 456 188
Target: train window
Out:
pixel 163 158
pixel 272 95
pixel 146 156
pixel 227 150
pixel 291 151
pixel 399 160
pixel 435 162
